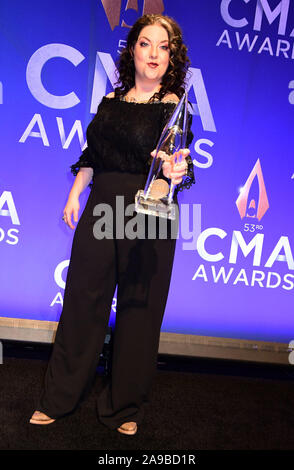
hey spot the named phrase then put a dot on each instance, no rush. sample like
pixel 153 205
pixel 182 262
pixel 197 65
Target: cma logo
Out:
pixel 8 209
pixel 253 206
pixel 262 8
pixel 113 10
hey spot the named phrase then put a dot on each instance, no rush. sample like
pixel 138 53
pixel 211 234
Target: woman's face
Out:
pixel 151 53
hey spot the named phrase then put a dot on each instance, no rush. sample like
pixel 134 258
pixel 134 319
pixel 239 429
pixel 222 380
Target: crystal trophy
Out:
pixel 157 196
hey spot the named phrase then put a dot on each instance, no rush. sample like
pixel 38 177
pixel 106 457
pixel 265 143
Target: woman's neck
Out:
pixel 142 92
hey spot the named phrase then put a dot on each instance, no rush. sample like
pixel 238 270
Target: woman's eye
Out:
pixel 143 44
pixel 165 48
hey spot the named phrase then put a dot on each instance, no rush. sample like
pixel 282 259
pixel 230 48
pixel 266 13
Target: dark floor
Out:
pixel 196 404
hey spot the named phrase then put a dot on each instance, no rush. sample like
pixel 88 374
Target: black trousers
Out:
pixel 141 270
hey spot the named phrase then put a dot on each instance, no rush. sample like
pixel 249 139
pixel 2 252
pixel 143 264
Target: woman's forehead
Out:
pixel 154 32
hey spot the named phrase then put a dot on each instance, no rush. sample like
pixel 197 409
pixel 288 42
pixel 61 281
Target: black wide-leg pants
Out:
pixel 141 269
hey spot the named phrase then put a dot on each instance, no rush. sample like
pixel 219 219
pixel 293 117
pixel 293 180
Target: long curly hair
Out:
pixel 173 80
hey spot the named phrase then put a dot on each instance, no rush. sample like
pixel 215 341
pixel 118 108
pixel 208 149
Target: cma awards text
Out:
pixel 281 252
pixel 258 15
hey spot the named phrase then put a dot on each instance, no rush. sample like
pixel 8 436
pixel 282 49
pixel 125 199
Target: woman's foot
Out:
pixel 40 418
pixel 128 428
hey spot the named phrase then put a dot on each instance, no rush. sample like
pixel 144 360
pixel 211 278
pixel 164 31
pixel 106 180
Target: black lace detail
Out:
pixel 85 161
pixel 122 134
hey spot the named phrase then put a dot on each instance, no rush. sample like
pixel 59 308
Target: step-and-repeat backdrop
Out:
pixel 234 270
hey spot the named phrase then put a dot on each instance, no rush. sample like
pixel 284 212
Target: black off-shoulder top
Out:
pixel 123 133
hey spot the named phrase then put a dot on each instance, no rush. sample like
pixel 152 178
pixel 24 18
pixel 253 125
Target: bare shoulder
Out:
pixel 170 97
pixel 110 95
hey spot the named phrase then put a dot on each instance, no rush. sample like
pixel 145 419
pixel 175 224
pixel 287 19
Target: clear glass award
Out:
pixel 157 196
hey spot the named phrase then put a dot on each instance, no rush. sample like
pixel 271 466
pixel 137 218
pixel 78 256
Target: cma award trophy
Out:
pixel 157 196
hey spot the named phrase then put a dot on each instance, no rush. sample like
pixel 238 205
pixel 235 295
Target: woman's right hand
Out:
pixel 72 208
pixel 174 166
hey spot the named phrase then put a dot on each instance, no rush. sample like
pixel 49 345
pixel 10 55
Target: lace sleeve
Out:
pixel 189 179
pixel 85 161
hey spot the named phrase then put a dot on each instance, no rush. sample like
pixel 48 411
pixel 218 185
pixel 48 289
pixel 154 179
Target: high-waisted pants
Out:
pixel 141 271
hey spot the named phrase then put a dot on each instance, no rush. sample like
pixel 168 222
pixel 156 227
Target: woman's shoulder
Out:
pixel 110 95
pixel 170 98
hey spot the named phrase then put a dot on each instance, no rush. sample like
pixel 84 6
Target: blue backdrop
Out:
pixel 234 270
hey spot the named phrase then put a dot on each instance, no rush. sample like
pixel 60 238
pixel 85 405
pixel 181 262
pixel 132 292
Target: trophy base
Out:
pixel 157 207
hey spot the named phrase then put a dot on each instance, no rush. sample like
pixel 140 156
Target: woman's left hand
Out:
pixel 174 166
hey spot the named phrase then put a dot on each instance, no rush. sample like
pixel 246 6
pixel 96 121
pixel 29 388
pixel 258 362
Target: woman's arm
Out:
pixel 72 207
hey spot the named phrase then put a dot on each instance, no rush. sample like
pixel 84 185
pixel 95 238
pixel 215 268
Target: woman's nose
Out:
pixel 153 52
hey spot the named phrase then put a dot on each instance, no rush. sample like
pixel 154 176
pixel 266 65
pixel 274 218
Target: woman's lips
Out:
pixel 153 65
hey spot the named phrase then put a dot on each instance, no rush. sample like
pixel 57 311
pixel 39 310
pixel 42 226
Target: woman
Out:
pixel 120 138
